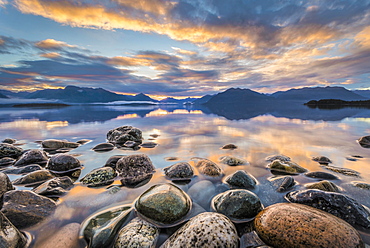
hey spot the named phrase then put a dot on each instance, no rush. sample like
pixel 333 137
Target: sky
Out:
pixel 183 48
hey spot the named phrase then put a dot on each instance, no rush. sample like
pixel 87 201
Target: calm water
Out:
pixel 300 133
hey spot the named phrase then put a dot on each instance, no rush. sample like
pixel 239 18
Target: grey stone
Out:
pixel 182 170
pixel 102 147
pixel 282 184
pixel 32 157
pixel 208 168
pixel 34 178
pixel 10 236
pixel 54 187
pixel 241 180
pixel 134 169
pixel 233 161
pixel 8 150
pixel 122 134
pixel 99 177
pixel 23 170
pixel 62 163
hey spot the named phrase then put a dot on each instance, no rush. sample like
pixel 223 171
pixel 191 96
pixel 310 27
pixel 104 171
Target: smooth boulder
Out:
pixel 134 169
pixel 32 157
pixel 122 134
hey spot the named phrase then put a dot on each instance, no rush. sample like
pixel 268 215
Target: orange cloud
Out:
pixel 2 41
pixel 51 44
pixel 50 55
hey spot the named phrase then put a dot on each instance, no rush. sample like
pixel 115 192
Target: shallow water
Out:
pixel 188 133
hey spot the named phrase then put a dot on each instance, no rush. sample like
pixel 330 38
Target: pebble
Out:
pixel 10 236
pixel 148 144
pixel 54 187
pixel 279 157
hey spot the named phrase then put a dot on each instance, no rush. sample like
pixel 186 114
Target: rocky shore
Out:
pixel 199 206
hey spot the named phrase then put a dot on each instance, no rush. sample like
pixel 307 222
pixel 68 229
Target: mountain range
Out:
pixel 233 97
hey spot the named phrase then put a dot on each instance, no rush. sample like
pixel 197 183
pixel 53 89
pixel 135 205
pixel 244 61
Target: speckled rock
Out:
pixel 34 178
pixel 297 225
pixel 103 147
pixel 287 167
pixel 5 184
pixel 343 171
pixel 99 177
pixel 202 192
pixel 205 230
pixel 25 208
pixel 163 204
pixel 63 163
pixel 54 187
pixel 336 204
pixel 281 158
pixel 32 157
pixel 208 168
pixel 321 175
pixel 112 161
pixel 361 185
pixel 8 150
pixel 182 170
pixel 9 141
pixel 23 170
pixel 134 169
pixel 10 236
pixel 323 185
pixel 233 161
pixel 237 204
pixel 364 141
pixel 65 237
pixel 241 180
pixel 122 134
pixel 282 184
pixel 322 160
pixel 100 229
pixel 229 146
pixel 137 234
pixel 6 161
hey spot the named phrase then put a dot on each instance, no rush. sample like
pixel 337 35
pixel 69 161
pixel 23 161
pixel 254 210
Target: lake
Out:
pixel 184 133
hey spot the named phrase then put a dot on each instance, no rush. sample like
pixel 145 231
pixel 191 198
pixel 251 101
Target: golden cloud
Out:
pixel 363 38
pixel 2 42
pixel 51 44
pixel 50 55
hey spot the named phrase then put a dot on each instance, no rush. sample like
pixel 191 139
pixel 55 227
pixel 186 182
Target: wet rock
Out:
pixel 237 204
pixel 137 233
pixel 321 175
pixel 344 171
pixel 182 170
pixel 202 193
pixel 282 184
pixel 8 150
pixel 32 157
pixel 10 236
pixel 205 230
pixel 83 141
pixel 130 144
pixel 229 146
pixel 233 161
pixel 297 225
pixel 251 240
pixel 34 178
pixel 65 237
pixel 163 204
pixel 241 180
pixel 278 167
pixel 322 160
pixel 23 170
pixel 122 134
pixel 364 141
pixel 62 163
pixel 25 208
pixel 99 177
pixel 154 135
pixel 5 184
pixel 54 144
pixel 54 187
pixel 134 169
pixel 100 229
pixel 171 158
pixel 336 204
pixel 281 158
pixel 361 185
pixel 148 144
pixel 208 168
pixel 112 161
pixel 6 161
pixel 9 141
pixel 323 185
pixel 103 147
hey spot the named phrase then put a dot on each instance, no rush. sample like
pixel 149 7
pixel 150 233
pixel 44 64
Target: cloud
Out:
pixel 51 44
pixel 51 55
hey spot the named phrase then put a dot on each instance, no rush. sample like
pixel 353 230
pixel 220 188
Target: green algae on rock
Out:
pixel 8 150
pixel 295 225
pixel 323 185
pixel 286 168
pixel 163 204
pixel 233 161
pixel 99 177
pixel 343 171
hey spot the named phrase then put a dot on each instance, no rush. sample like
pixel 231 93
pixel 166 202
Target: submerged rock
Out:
pixel 241 180
pixel 148 144
pixel 62 163
pixel 205 230
pixel 297 225
pixel 343 171
pixel 322 160
pixel 281 158
pixel 34 178
pixel 208 168
pixel 100 229
pixel 202 192
pixel 364 141
pixel 8 150
pixel 180 171
pixel 282 184
pixel 10 236
pixel 233 161
pixel 6 161
pixel 361 185
pixel 103 147
pixel 163 204
pixel 25 208
pixel 32 157
pixel 134 169
pixel 9 141
pixel 65 237
pixel 137 233
pixel 54 144
pixel 323 185
pixel 83 141
pixel 99 177
pixel 237 204
pixel 336 204
pixel 321 175
pixel 122 134
pixel 23 170
pixel 287 167
pixel 229 146
pixel 54 187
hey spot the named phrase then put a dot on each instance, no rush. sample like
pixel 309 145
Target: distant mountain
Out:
pixel 364 93
pixel 11 94
pixel 3 96
pixel 203 99
pixel 74 94
pixel 171 100
pixel 317 93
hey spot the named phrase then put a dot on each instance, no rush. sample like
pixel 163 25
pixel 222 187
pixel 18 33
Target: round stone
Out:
pixel 208 168
pixel 99 177
pixel 237 204
pixel 8 150
pixel 62 163
pixel 323 185
pixel 163 204
pixel 182 170
pixel 134 169
pixel 32 157
pixel 364 141
pixel 241 180
pixel 297 225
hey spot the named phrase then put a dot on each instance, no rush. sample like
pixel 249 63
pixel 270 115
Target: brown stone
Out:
pixel 296 225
